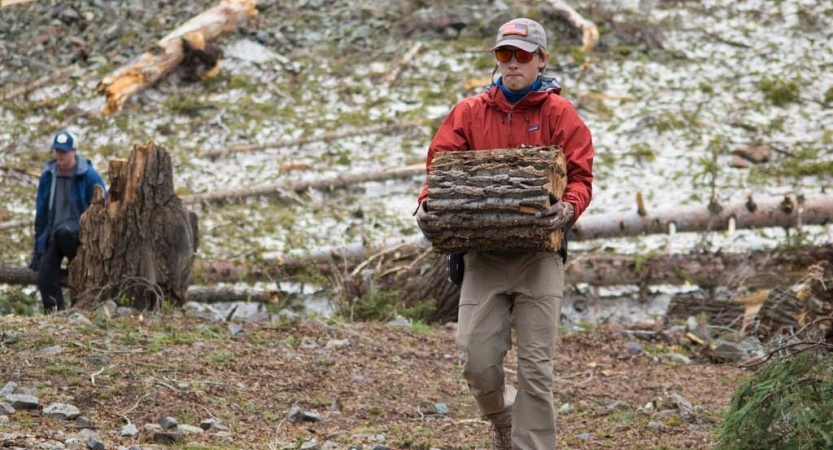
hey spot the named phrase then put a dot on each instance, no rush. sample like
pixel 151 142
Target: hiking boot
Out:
pixel 501 438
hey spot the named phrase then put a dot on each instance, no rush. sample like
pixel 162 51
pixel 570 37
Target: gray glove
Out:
pixel 430 231
pixel 556 216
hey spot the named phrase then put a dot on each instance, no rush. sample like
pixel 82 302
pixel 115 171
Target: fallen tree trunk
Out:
pixel 336 182
pixel 204 294
pixel 785 212
pixel 22 90
pixel 139 244
pixel 170 51
pixel 326 137
pixel 589 32
pixel 768 212
pixel 758 269
pixel 755 269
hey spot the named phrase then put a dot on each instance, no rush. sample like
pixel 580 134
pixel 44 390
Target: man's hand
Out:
pixel 556 216
pixel 431 232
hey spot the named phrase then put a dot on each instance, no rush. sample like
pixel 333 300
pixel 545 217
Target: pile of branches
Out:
pixel 788 402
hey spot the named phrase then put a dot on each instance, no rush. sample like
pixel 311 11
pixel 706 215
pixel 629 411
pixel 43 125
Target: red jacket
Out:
pixel 487 122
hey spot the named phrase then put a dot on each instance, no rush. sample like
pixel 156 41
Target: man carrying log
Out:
pixel 523 108
pixel 65 190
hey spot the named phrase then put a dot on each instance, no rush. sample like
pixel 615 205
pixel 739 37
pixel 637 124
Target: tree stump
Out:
pixel 138 244
pixel 487 199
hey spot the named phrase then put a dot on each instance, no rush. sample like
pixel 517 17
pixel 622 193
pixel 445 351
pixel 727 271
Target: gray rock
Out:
pixel 8 389
pixel 212 424
pixel 83 423
pixel 88 434
pixel 93 443
pixel 51 351
pixel 336 343
pixel 4 419
pixel 234 329
pixel 168 422
pixel 310 445
pixel 61 411
pixel 74 443
pixel 6 409
pixel 564 409
pixel 633 348
pixel 51 446
pixel 108 309
pixel 584 436
pixel 678 358
pixel 152 427
pixel 134 447
pixel 23 401
pixel 399 322
pixel 78 319
pixel 122 311
pixel 190 429
pixel 9 337
pixel 441 409
pixel 298 415
pixel 129 430
pixel 380 447
pixel 677 401
pixel 656 427
pixel 330 445
pixel 167 437
pixel 250 51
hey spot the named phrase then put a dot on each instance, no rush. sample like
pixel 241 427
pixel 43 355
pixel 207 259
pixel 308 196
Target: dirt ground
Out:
pixel 372 384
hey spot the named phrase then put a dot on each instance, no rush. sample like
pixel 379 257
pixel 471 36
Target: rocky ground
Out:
pixel 273 381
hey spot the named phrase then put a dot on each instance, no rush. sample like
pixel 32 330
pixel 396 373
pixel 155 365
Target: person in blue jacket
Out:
pixel 65 190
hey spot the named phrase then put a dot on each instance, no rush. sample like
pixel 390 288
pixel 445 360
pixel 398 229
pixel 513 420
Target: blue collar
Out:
pixel 516 96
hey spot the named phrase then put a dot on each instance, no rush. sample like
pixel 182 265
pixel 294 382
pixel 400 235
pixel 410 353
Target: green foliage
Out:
pixel 386 305
pixel 780 92
pixel 17 302
pixel 828 95
pixel 185 105
pixel 787 406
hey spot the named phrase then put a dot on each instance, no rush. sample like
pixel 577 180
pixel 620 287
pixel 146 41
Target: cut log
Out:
pixel 277 189
pixel 139 244
pixel 786 212
pixel 204 294
pixel 326 137
pixel 169 52
pixel 487 200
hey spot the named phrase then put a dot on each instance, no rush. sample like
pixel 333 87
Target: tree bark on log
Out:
pixel 487 200
pixel 140 242
pixel 170 51
pixel 275 189
pixel 786 212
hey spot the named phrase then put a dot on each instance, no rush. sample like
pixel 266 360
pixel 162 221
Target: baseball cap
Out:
pixel 65 142
pixel 525 34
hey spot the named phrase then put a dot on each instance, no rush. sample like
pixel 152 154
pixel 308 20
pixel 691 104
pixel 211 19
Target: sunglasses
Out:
pixel 504 55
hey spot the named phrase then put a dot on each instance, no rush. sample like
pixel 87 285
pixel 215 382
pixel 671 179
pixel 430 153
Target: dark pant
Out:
pixel 49 275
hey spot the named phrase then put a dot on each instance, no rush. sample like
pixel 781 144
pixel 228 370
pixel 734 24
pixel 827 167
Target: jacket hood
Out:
pixel 549 86
pixel 83 164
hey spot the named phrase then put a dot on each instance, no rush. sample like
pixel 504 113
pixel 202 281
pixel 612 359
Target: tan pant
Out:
pixel 528 287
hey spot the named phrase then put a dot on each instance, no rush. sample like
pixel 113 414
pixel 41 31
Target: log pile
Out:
pixel 138 244
pixel 487 200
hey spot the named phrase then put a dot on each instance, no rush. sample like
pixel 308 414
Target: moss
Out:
pixel 779 91
pixel 578 54
pixel 828 95
pixel 183 104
